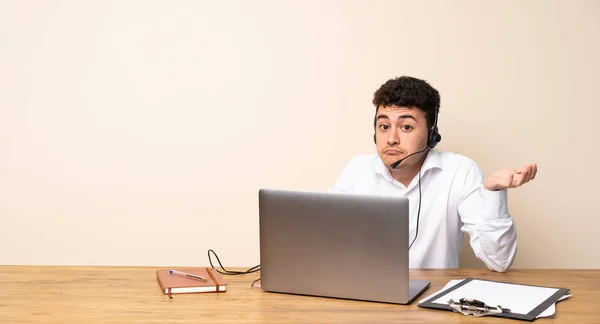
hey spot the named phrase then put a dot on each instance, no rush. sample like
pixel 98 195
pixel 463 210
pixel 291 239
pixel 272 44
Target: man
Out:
pixel 447 192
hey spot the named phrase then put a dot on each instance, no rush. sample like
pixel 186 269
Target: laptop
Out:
pixel 336 245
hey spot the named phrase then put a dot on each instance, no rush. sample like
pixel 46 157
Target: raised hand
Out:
pixel 510 178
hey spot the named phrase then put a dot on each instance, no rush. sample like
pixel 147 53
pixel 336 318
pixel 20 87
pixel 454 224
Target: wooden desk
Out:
pixel 49 294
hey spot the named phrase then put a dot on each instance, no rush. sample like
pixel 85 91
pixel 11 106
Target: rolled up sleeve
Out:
pixel 486 219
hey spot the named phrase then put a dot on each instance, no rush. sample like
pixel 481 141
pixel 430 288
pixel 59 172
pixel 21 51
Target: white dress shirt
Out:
pixel 453 201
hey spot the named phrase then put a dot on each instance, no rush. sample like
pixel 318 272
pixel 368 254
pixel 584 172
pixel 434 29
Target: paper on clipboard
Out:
pixel 534 296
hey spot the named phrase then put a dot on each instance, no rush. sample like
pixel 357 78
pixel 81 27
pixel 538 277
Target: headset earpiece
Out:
pixel 434 137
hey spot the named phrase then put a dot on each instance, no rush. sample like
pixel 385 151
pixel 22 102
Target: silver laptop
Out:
pixel 336 245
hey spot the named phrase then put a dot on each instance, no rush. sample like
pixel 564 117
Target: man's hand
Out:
pixel 510 178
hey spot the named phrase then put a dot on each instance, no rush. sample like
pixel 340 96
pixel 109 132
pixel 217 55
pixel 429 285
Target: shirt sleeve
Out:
pixel 486 219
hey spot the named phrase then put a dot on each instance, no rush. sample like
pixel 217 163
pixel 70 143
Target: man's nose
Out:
pixel 393 138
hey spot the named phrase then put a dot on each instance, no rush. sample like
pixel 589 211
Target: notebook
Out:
pixel 177 284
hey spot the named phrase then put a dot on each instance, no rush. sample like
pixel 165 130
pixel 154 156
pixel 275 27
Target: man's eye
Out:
pixel 406 127
pixel 383 127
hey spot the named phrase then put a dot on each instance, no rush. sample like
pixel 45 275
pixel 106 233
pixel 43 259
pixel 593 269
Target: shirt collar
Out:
pixel 432 161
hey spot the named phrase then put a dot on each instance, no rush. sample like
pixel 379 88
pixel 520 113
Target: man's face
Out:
pixel 400 131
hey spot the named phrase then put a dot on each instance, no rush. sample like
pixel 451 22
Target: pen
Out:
pixel 185 274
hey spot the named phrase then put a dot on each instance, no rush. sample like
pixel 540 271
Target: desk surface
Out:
pixel 52 294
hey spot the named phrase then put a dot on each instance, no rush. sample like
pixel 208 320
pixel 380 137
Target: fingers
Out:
pixel 521 178
pixel 525 174
pixel 508 181
pixel 533 173
pixel 530 173
pixel 505 179
pixel 520 170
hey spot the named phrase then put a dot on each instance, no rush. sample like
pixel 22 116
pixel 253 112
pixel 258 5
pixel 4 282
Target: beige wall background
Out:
pixel 139 132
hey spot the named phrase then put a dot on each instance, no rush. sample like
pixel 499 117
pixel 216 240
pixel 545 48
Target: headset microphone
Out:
pixel 395 164
pixel 433 137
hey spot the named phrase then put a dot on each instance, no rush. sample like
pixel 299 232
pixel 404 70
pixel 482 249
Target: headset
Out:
pixel 433 136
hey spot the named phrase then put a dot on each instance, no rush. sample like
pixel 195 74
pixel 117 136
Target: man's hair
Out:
pixel 409 92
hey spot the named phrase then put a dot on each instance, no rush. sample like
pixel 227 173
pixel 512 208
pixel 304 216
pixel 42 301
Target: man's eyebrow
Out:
pixel 399 117
pixel 407 116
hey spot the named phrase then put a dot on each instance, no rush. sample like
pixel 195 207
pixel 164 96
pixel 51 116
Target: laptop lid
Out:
pixel 335 245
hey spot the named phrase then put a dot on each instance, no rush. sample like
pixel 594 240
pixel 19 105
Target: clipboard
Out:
pixel 525 302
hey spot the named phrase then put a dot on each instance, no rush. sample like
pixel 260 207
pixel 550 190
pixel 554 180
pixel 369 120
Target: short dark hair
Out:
pixel 407 91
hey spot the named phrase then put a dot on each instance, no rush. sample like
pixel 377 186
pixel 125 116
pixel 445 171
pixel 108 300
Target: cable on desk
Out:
pixel 228 272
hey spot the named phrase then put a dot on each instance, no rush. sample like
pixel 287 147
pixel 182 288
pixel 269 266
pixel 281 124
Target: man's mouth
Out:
pixel 392 152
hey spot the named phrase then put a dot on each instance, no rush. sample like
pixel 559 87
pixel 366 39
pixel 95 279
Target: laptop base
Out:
pixel 416 288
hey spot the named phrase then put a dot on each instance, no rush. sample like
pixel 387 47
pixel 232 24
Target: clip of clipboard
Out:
pixel 474 307
pixel 480 297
